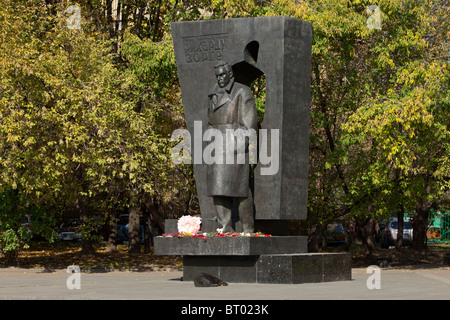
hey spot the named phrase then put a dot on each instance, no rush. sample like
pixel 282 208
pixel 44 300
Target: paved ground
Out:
pixel 36 284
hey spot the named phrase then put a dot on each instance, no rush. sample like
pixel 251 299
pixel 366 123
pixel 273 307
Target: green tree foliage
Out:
pixel 75 126
pixel 20 222
pixel 89 98
pixel 401 127
pixel 380 112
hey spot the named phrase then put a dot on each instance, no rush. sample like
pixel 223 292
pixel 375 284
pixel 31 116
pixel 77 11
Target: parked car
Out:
pixel 122 229
pixel 336 234
pixel 26 222
pixel 69 231
pixel 389 232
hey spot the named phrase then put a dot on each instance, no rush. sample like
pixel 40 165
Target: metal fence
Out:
pixel 438 227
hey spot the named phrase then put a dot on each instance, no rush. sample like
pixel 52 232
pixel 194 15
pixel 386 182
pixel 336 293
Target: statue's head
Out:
pixel 224 73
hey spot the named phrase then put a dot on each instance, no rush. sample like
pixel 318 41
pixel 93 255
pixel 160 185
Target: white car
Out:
pixel 389 231
pixel 68 231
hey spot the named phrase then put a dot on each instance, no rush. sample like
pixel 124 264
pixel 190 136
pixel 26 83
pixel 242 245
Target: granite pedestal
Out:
pixel 271 268
pixel 255 259
pixel 229 246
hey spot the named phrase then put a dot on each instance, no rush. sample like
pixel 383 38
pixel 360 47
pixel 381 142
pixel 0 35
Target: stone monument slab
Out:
pixel 280 48
pixel 229 246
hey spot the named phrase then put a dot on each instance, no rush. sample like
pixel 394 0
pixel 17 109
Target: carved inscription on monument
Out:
pixel 205 48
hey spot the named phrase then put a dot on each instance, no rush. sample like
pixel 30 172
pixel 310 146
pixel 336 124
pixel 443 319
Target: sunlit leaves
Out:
pixel 74 124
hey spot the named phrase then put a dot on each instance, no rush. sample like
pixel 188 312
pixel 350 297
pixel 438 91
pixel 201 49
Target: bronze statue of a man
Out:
pixel 232 107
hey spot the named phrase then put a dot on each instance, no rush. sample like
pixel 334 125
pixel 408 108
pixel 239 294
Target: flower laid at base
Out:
pixel 189 226
pixel 215 234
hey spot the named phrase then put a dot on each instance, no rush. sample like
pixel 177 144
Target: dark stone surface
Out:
pixel 229 246
pixel 226 268
pixel 282 268
pixel 170 226
pixel 273 227
pixel 274 269
pixel 335 268
pixel 307 268
pixel 280 48
pixel 209 225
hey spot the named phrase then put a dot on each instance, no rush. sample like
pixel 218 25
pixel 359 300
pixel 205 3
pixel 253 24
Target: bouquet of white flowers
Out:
pixel 189 225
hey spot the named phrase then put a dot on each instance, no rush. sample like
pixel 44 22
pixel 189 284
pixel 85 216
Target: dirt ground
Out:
pixel 60 255
pixel 435 255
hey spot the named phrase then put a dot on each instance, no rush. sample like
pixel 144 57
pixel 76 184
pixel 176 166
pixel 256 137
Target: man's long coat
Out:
pixel 232 107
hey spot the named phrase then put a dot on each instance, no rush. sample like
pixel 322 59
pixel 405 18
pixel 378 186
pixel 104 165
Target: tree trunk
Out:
pixel 366 229
pixel 140 16
pixel 420 223
pixel 86 243
pixel 315 238
pixel 349 228
pixel 156 220
pixel 156 26
pixel 399 242
pixel 134 241
pixel 86 247
pixel 109 18
pixel 324 237
pixel 112 236
pixel 147 230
